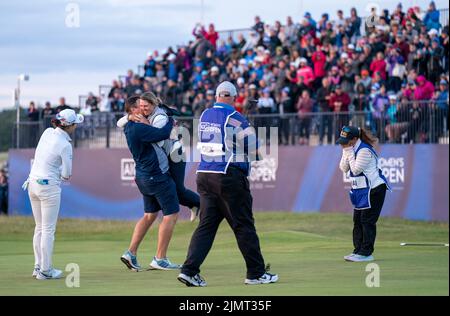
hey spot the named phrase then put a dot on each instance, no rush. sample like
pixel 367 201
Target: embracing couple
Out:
pixel 160 172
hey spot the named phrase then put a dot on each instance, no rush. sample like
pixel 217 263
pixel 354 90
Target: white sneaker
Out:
pixel 35 271
pixel 359 258
pixel 163 264
pixel 194 213
pixel 195 281
pixel 49 275
pixel 347 258
pixel 265 279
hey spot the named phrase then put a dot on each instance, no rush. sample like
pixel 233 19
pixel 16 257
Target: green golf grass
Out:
pixel 306 250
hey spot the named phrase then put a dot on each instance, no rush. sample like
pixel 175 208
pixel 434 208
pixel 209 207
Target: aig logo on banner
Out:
pixel 127 170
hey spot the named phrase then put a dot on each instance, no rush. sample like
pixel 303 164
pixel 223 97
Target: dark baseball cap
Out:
pixel 347 134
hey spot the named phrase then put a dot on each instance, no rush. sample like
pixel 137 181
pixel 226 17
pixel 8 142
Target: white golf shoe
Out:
pixel 194 213
pixel 266 278
pixel 348 258
pixel 35 271
pixel 49 275
pixel 359 258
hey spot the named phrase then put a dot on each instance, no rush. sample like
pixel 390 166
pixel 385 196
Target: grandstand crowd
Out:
pixel 394 69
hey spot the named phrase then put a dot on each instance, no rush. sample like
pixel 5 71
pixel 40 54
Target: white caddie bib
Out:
pixel 358 182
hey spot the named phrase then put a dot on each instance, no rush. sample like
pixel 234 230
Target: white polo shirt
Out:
pixel 53 157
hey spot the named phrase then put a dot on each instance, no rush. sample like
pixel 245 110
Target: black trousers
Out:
pixel 225 196
pixel 365 223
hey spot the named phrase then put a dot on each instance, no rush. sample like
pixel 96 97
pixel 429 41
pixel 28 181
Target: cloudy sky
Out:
pixel 115 35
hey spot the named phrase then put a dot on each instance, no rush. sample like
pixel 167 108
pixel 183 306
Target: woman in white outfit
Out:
pixel 52 164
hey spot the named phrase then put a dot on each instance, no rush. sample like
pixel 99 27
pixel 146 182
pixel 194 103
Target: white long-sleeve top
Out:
pixel 366 162
pixel 158 120
pixel 53 157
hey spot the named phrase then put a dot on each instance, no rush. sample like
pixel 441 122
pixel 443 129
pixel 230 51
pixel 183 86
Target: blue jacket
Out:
pixel 225 139
pixel 151 160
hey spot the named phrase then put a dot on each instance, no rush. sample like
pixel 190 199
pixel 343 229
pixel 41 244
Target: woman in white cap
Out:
pixel 52 164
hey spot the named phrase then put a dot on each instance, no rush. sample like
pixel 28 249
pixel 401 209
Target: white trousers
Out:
pixel 45 201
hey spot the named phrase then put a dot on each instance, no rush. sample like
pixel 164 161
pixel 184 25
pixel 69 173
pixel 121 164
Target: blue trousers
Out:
pixel 186 197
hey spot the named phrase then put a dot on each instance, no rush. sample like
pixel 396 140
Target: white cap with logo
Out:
pixel 69 117
pixel 226 89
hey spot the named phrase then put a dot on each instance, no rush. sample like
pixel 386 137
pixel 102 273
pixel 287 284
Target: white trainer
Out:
pixel 194 213
pixel 195 281
pixel 359 258
pixel 265 279
pixel 49 275
pixel 35 271
pixel 348 258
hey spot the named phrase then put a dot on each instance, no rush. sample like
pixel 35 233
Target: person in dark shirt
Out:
pixel 46 114
pixel 62 105
pixel 33 112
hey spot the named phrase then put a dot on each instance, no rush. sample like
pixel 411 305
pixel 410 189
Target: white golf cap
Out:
pixel 303 60
pixel 69 117
pixel 226 89
pixel 433 32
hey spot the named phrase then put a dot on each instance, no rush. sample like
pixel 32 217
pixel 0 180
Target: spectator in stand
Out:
pixel 435 60
pixel 444 39
pixel 306 72
pixel 47 111
pixel 339 103
pixel 431 19
pixel 304 107
pixel 33 127
pixel 116 85
pixel 391 110
pixel 259 26
pixel 379 66
pixel 285 107
pixel 199 105
pixel 424 90
pixel 33 112
pixel 129 77
pixel 118 104
pixel 397 70
pixel 400 124
pixel 402 46
pixel 3 193
pixel 441 109
pixel 135 87
pixel 46 115
pixel 319 61
pixel 240 101
pixel 266 105
pixel 326 120
pixel 62 105
pixel 211 35
pixel 366 80
pixel 379 106
pixel 340 21
pixel 92 103
pixel 355 25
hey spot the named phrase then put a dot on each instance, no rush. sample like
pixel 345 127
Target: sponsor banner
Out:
pixel 302 179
